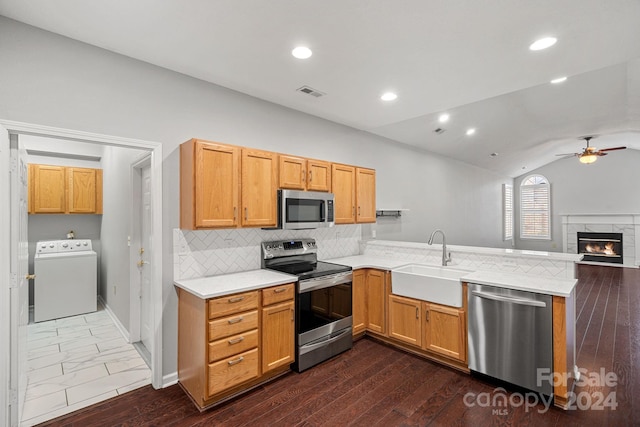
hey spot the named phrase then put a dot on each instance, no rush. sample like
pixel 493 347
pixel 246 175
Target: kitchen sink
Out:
pixel 428 283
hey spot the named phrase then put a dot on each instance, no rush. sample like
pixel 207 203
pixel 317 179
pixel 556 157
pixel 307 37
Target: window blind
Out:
pixel 535 211
pixel 507 212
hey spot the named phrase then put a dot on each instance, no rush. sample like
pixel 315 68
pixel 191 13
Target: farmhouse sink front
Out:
pixel 440 285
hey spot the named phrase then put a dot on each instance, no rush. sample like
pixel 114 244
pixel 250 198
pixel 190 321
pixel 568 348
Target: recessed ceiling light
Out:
pixel 444 117
pixel 493 155
pixel 558 80
pixel 471 131
pixel 543 43
pixel 388 96
pixel 302 52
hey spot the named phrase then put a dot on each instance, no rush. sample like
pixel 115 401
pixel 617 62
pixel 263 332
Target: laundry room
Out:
pixel 104 223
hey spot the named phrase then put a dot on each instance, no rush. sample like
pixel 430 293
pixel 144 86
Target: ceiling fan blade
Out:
pixel 600 153
pixel 613 148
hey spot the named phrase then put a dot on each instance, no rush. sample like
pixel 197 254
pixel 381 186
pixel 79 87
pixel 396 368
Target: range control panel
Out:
pixel 70 245
pixel 281 248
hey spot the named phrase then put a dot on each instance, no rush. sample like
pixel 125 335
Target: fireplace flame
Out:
pixel 606 249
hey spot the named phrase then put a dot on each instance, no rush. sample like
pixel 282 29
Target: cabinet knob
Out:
pixel 426 315
pixel 245 214
pixel 310 176
pixel 417 313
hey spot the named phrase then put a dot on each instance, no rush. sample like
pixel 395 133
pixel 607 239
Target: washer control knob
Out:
pixel 77 243
pixel 65 245
pixel 51 245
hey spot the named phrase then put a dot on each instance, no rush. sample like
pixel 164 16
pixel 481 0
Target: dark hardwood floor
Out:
pixel 374 384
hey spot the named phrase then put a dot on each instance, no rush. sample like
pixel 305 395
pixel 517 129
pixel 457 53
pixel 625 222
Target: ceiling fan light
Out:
pixel 588 158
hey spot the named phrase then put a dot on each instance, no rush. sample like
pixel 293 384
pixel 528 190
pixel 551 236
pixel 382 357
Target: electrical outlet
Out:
pixel 373 233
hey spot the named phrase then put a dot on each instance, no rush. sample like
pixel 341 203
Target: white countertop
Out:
pixel 226 284
pixel 557 256
pixel 366 261
pixel 523 282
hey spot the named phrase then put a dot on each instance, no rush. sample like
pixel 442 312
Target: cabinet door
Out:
pixel 81 190
pixel 293 172
pixel 259 185
pixel 365 195
pixel 48 189
pixel 405 320
pixel 359 301
pixel 376 298
pixel 319 175
pixel 277 336
pixel 343 184
pixel 445 331
pixel 217 177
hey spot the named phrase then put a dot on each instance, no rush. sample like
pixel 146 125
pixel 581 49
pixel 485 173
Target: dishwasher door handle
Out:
pixel 521 301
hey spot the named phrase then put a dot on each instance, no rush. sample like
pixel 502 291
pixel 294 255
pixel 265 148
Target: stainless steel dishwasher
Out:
pixel 510 335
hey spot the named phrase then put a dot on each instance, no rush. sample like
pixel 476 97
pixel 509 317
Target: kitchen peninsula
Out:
pixel 440 332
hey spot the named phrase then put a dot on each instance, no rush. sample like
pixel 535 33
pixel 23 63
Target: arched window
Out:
pixel 535 212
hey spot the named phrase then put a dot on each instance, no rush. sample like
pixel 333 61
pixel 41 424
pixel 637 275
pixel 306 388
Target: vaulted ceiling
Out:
pixel 467 58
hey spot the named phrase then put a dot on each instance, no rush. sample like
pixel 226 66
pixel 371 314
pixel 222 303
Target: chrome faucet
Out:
pixel 445 258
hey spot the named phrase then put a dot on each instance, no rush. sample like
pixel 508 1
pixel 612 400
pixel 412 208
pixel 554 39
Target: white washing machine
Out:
pixel 66 279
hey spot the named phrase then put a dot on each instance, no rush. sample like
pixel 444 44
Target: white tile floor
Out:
pixel 75 362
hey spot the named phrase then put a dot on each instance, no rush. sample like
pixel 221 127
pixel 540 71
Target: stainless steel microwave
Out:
pixel 299 210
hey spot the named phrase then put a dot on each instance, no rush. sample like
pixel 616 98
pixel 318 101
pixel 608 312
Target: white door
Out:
pixel 145 255
pixel 19 295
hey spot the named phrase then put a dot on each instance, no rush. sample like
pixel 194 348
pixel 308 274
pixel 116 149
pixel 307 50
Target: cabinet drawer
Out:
pixel 235 344
pixel 278 294
pixel 224 306
pixel 232 325
pixel 232 371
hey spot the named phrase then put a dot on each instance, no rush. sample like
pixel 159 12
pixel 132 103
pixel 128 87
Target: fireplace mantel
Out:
pixel 628 224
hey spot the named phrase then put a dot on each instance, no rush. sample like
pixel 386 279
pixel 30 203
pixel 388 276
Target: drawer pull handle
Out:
pixel 236 340
pixel 236 299
pixel 236 320
pixel 235 361
pixel 279 290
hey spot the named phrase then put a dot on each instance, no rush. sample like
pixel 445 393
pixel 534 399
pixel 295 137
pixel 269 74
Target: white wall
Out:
pixel 116 228
pixel 610 185
pixel 51 80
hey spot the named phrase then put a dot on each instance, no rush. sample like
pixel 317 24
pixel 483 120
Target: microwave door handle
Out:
pixel 323 211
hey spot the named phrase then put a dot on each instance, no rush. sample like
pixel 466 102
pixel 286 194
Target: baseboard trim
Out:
pixel 116 321
pixel 170 379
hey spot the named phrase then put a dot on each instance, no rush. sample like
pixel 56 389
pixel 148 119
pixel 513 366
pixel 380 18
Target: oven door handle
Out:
pixel 325 342
pixel 324 282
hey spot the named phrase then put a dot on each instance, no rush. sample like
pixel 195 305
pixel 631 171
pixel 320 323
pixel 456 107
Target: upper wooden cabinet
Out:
pixel 355 194
pixel 365 195
pixel 225 186
pixel 343 185
pixel 259 184
pixel 60 190
pixel 297 173
pixel 209 185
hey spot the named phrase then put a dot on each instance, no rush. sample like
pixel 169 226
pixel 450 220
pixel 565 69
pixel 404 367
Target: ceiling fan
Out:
pixel 590 154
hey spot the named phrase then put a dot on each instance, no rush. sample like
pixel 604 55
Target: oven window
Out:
pixel 323 306
pixel 305 210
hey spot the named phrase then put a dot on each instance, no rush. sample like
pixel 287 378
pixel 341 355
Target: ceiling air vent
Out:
pixel 439 131
pixel 310 91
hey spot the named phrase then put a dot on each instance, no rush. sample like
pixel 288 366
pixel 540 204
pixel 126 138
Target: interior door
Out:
pixel 19 294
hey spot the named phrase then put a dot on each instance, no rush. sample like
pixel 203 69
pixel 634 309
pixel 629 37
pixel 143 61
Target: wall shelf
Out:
pixel 394 213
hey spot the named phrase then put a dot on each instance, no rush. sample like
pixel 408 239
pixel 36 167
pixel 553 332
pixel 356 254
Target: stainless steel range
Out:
pixel 323 299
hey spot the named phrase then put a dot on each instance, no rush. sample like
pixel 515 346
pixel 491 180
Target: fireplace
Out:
pixel 601 247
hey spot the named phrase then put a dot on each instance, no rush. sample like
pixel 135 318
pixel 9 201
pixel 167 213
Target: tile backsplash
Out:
pixel 211 252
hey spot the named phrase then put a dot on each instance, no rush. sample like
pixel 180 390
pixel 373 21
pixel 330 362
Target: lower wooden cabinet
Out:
pixel 445 331
pixel 376 300
pixel 229 344
pixel 359 303
pixel 369 300
pixel 405 320
pixel 278 336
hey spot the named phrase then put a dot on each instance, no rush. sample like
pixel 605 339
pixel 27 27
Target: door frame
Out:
pixel 134 273
pixel 155 149
pixel 5 280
